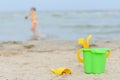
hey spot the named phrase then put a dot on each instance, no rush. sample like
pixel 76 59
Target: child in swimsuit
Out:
pixel 33 18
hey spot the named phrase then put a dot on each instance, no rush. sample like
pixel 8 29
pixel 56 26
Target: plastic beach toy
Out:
pixel 60 71
pixel 94 59
pixel 85 42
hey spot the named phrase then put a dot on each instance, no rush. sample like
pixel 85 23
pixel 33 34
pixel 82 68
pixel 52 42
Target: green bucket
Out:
pixel 94 59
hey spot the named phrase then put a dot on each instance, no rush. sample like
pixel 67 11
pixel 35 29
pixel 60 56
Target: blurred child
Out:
pixel 33 18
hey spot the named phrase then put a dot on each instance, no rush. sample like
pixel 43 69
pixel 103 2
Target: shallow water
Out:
pixel 66 25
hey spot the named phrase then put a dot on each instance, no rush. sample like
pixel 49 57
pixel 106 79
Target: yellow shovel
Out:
pixel 85 42
pixel 60 71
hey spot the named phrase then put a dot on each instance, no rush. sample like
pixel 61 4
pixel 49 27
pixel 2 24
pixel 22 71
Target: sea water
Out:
pixel 61 25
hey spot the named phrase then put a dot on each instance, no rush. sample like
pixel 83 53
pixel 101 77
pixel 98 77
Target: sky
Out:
pixel 52 5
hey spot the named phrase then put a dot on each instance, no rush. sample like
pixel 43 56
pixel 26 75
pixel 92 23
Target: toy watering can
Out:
pixel 94 59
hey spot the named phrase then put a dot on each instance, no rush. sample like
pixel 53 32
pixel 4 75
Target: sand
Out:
pixel 32 60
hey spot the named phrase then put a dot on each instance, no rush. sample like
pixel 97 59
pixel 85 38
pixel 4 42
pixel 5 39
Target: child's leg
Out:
pixel 35 32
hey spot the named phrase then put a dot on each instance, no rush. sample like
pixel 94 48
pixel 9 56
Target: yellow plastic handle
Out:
pixel 78 56
pixel 108 54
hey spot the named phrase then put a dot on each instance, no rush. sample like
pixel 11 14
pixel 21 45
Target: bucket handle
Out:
pixel 108 53
pixel 78 56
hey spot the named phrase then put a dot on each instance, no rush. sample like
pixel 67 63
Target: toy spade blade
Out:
pixel 60 71
pixel 81 41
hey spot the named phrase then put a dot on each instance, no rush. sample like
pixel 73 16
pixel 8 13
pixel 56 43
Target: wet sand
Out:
pixel 32 60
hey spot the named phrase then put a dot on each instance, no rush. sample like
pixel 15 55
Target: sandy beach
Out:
pixel 32 60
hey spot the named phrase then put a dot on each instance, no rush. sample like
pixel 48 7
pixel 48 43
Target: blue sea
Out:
pixel 61 25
